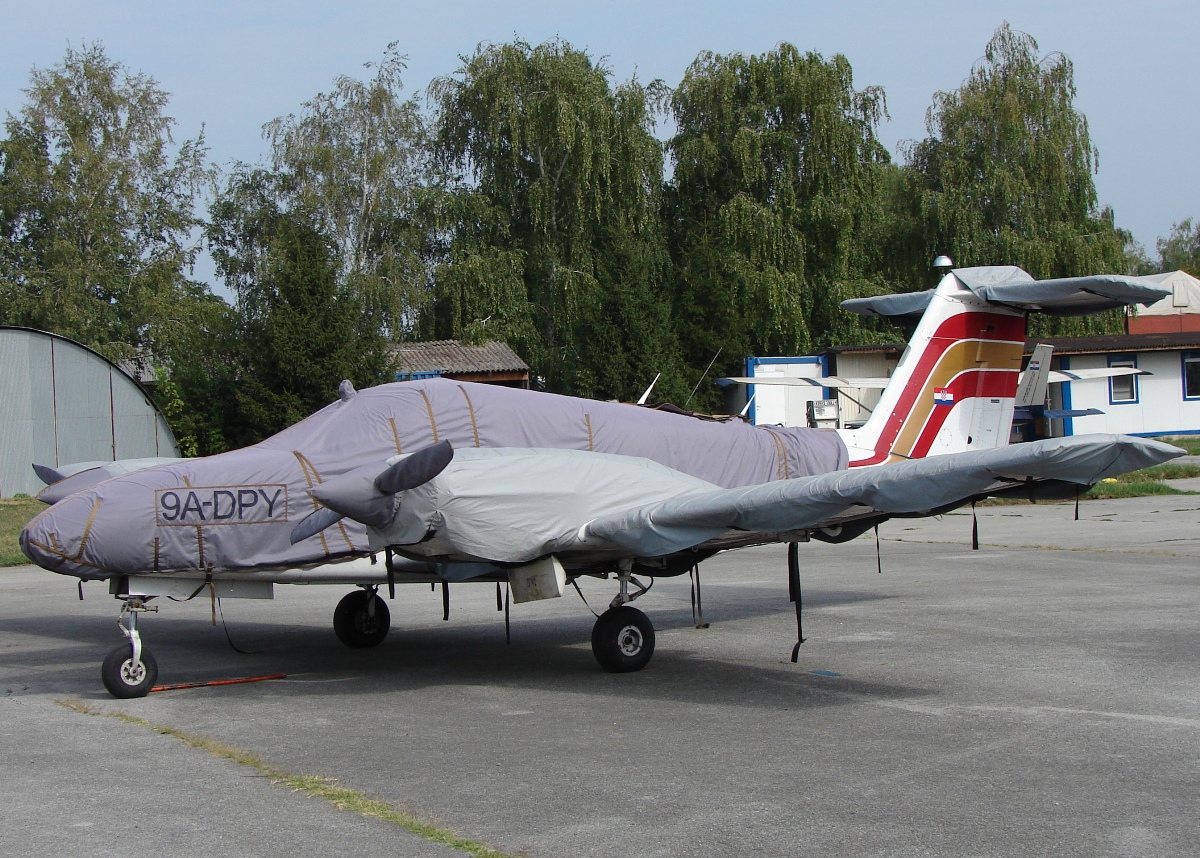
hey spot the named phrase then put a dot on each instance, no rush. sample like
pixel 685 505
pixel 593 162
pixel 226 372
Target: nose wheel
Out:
pixel 130 670
pixel 126 678
pixel 623 639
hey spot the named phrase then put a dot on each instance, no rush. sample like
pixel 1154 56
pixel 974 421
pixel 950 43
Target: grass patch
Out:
pixel 14 514
pixel 1135 484
pixel 1129 489
pixel 1191 443
pixel 1160 472
pixel 310 785
pixel 1143 483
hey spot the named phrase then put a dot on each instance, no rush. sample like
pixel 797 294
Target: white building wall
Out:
pixel 856 403
pixel 1160 409
pixel 783 405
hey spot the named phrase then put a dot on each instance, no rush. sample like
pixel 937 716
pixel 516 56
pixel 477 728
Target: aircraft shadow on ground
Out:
pixel 549 654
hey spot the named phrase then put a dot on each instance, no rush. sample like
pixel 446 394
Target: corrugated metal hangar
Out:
pixel 62 403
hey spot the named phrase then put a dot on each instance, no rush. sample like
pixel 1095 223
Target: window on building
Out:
pixel 1122 388
pixel 1191 375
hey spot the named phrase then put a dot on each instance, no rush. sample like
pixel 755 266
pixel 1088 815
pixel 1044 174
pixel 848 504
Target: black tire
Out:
pixel 623 640
pixel 123 678
pixel 355 626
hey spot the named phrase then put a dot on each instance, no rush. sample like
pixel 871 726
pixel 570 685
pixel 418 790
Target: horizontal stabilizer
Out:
pixel 1063 296
pixel 1057 376
pixel 1013 287
pixel 1063 414
pixel 898 305
pixel 1024 413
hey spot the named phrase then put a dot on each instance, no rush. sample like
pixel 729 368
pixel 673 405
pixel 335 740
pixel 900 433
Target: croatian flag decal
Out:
pixel 943 396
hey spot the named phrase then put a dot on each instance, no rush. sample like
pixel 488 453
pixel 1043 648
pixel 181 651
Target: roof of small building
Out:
pixel 1119 343
pixel 451 356
pixel 873 347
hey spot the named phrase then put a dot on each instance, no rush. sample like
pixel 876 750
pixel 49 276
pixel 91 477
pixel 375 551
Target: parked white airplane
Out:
pixel 455 482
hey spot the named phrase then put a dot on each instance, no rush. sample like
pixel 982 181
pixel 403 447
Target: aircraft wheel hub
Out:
pixel 629 640
pixel 133 673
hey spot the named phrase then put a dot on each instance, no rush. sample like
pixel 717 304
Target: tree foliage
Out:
pixel 354 159
pixel 1180 251
pixel 96 215
pixel 298 330
pixel 1006 175
pixel 321 252
pixel 531 204
pixel 549 215
pixel 776 167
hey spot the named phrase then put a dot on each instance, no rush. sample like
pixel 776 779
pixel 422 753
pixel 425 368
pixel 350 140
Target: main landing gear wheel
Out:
pixel 361 619
pixel 124 678
pixel 623 640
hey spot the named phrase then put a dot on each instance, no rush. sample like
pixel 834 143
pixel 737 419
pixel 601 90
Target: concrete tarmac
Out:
pixel 1038 696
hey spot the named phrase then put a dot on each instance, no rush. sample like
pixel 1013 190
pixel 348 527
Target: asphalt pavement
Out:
pixel 1039 696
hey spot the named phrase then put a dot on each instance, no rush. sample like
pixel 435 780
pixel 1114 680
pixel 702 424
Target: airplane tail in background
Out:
pixel 1031 391
pixel 955 387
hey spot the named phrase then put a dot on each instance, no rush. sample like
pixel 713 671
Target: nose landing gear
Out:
pixel 130 670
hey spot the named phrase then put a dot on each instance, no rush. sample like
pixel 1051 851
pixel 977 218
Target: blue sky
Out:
pixel 235 65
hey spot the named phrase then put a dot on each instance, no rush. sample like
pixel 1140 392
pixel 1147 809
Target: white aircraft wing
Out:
pixel 1057 376
pixel 916 486
pixel 799 381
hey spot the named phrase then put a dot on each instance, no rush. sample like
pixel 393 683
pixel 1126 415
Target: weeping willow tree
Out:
pixel 353 159
pixel 548 219
pixel 776 173
pixel 1006 175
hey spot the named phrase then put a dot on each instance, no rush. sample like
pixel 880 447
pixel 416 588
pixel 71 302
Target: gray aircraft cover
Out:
pixel 232 511
pixel 1014 287
pixel 516 505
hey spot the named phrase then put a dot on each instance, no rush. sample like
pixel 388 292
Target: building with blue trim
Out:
pixel 1166 401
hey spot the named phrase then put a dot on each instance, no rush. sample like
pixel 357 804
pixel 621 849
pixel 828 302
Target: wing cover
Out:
pixel 914 486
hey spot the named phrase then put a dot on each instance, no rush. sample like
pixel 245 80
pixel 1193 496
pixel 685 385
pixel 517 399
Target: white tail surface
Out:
pixel 1036 378
pixel 955 386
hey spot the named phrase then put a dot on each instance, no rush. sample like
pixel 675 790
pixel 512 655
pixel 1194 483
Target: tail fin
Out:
pixel 956 384
pixel 1035 380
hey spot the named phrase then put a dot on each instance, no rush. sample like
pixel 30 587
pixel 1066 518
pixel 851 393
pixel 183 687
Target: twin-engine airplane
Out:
pixel 463 482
